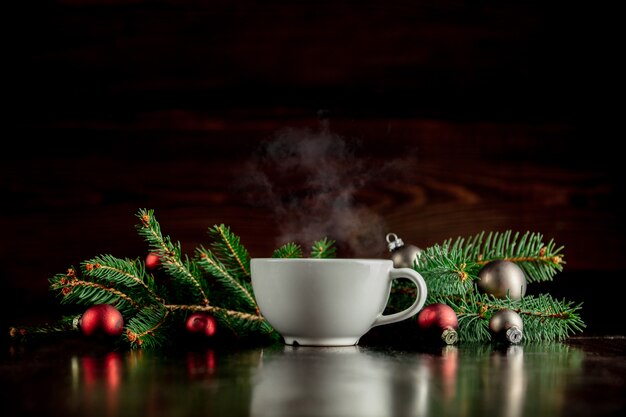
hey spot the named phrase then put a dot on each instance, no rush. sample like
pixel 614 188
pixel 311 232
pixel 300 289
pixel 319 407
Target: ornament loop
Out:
pixel 394 242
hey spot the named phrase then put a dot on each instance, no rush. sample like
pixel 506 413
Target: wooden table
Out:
pixel 583 376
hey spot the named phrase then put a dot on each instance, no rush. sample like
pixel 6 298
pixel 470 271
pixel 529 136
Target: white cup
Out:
pixel 329 302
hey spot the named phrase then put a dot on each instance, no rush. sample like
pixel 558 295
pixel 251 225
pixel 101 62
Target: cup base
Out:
pixel 327 341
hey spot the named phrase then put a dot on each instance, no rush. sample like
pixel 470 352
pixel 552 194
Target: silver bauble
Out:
pixel 501 277
pixel 403 256
pixel 506 325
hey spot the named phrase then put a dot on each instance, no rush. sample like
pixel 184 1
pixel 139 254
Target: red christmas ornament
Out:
pixel 201 323
pixel 102 320
pixel 211 326
pixel 153 260
pixel 439 319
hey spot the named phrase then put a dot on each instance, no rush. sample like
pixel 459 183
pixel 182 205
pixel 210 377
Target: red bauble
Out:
pixel 201 323
pixel 153 260
pixel 211 326
pixel 439 319
pixel 102 320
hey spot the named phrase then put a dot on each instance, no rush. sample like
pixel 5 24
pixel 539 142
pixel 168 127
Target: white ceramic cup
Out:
pixel 329 302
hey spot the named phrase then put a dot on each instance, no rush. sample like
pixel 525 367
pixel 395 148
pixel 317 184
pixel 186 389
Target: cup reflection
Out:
pixel 321 381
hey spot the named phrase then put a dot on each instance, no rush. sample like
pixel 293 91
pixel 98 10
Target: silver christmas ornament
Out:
pixel 506 325
pixel 500 278
pixel 403 256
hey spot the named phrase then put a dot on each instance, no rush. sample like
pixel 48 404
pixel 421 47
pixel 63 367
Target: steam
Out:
pixel 309 179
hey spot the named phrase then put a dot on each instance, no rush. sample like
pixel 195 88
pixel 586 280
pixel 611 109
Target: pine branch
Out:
pixel 227 246
pixel 148 329
pixel 240 290
pixel 323 248
pixel 538 260
pixel 288 250
pixel 64 326
pixel 180 269
pixel 73 289
pixel 544 318
pixel 446 270
pixel 239 322
pixel 127 273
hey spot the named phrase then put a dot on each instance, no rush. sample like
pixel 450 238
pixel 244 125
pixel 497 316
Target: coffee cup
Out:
pixel 329 302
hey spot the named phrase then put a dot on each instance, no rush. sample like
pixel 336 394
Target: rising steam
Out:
pixel 309 178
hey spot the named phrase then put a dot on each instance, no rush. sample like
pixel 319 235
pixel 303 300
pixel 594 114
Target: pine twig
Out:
pixel 288 250
pixel 183 270
pixel 64 326
pixel 242 291
pixel 227 246
pixel 323 248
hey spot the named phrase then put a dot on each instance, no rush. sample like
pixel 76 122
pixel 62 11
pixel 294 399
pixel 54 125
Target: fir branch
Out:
pixel 323 248
pixel 241 290
pixel 237 321
pixel 544 318
pixel 147 328
pixel 125 272
pixel 288 250
pixel 538 260
pixel 170 254
pixel 227 246
pixel 446 269
pixel 61 328
pixel 80 291
pixel 548 319
pixel 150 230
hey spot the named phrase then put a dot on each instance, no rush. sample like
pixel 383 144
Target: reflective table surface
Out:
pixel 582 377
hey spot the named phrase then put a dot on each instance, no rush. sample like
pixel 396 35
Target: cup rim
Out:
pixel 283 260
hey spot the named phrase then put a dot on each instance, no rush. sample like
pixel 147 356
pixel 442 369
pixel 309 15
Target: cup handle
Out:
pixel 417 305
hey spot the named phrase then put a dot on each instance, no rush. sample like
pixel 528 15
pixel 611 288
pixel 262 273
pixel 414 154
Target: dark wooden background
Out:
pixel 458 117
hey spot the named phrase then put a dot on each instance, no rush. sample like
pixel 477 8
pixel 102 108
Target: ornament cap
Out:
pixel 76 322
pixel 449 336
pixel 393 241
pixel 514 334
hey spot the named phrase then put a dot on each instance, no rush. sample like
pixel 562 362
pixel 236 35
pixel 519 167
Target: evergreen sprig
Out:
pixel 323 248
pixel 288 250
pixel 149 327
pixel 61 328
pixel 466 256
pixel 544 318
pixel 227 246
pixel 238 286
pixel 181 269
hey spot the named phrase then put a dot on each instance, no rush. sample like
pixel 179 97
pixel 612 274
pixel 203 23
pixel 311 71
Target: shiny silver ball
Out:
pixel 506 325
pixel 500 278
pixel 403 256
pixel 406 256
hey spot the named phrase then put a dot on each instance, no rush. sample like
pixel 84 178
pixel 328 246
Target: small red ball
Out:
pixel 201 323
pixel 438 316
pixel 195 322
pixel 211 326
pixel 439 321
pixel 102 320
pixel 153 260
